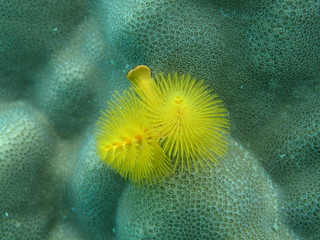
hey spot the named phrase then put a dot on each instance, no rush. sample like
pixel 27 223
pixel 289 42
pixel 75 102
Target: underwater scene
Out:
pixel 160 120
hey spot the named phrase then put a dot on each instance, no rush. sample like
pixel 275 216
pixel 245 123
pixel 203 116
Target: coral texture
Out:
pixel 233 200
pixel 60 61
pixel 68 85
pixel 30 32
pixel 94 191
pixel 26 144
pixel 261 57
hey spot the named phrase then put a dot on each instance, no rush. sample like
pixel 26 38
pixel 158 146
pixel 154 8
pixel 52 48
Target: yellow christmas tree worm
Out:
pixel 190 121
pixel 126 143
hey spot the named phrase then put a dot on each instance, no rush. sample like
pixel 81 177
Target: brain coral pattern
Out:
pixel 68 85
pixel 289 146
pixel 60 60
pixel 234 200
pixel 30 31
pixel 253 53
pixel 262 58
pixel 26 144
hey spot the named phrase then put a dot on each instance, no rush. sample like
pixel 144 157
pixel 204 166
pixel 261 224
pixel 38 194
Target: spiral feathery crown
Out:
pixel 173 117
pixel 191 122
pixel 126 143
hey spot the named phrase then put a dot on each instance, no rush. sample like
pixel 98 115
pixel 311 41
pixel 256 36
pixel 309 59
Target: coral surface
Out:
pixel 61 60
pixel 233 200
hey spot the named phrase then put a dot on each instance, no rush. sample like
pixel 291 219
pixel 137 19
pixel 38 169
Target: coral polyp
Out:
pixel 191 121
pixel 126 142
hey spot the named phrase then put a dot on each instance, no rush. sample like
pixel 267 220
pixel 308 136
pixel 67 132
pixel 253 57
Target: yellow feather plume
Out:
pixel 126 142
pixel 172 117
pixel 190 121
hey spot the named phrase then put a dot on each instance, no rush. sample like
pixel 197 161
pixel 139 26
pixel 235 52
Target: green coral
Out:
pixel 234 200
